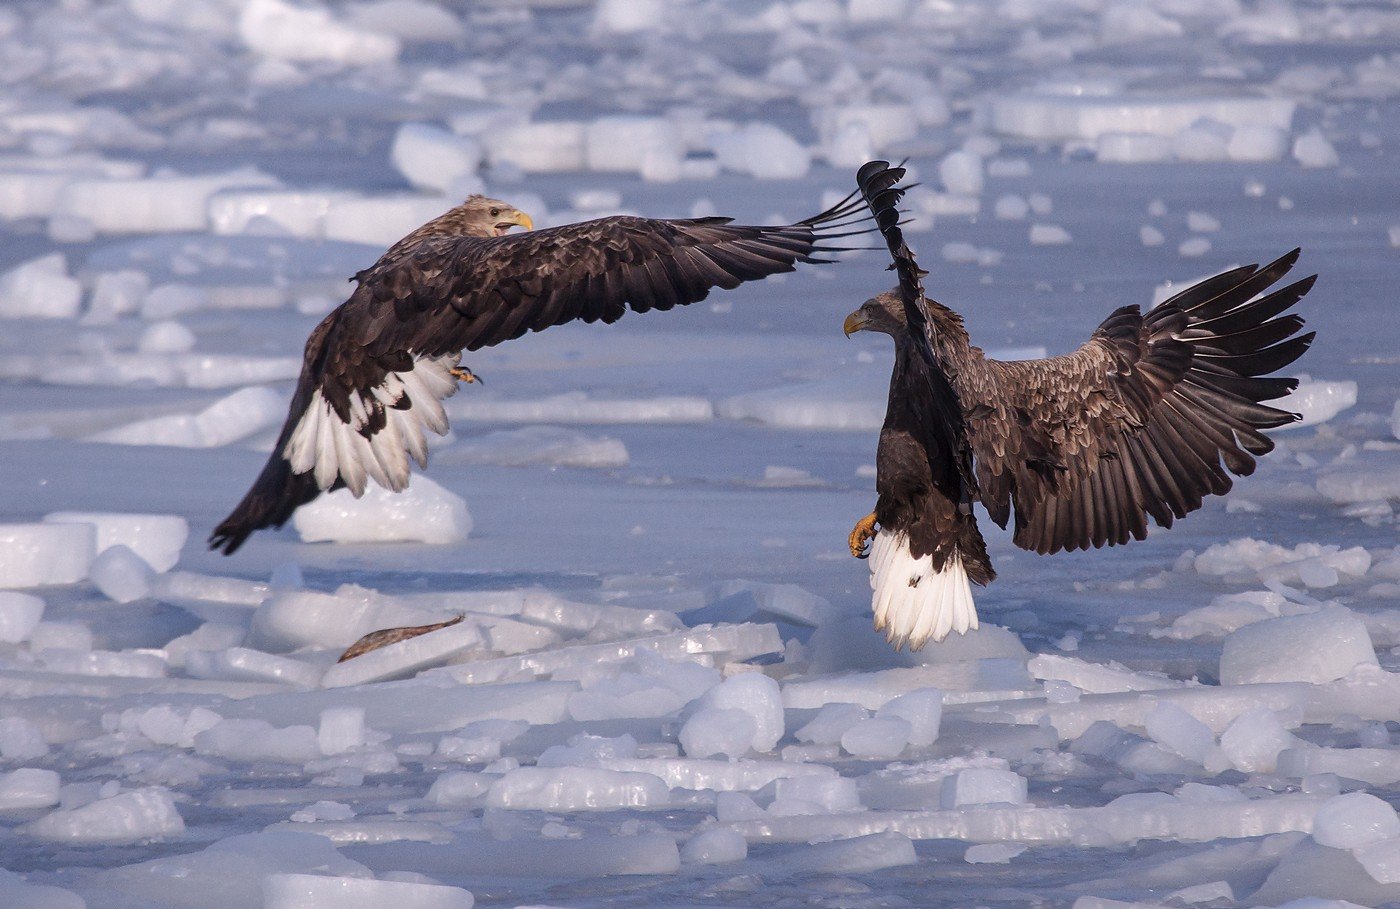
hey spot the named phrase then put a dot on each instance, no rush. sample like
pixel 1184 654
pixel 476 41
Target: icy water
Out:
pixel 666 690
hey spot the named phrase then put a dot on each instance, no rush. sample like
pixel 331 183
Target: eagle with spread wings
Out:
pixel 377 369
pixel 1154 412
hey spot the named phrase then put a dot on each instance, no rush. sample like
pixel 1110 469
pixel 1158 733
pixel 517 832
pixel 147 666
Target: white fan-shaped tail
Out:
pixel 324 443
pixel 914 604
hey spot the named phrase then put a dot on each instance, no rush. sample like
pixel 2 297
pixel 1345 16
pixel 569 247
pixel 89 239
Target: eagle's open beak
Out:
pixel 855 322
pixel 514 218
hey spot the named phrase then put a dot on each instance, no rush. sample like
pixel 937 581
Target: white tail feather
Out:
pixel 332 448
pixel 914 604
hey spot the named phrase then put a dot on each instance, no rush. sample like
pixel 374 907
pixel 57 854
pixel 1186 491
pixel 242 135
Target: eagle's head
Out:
pixel 884 313
pixel 483 217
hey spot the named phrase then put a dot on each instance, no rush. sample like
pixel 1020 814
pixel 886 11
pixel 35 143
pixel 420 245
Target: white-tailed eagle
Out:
pixel 377 369
pixel 1155 411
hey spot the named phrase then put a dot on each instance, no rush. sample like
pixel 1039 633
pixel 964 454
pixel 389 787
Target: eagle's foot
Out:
pixel 462 374
pixel 861 535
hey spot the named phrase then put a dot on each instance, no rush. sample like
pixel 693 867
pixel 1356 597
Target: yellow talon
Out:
pixel 462 374
pixel 861 535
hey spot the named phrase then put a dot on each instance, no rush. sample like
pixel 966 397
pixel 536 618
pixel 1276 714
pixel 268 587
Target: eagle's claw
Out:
pixel 861 535
pixel 462 374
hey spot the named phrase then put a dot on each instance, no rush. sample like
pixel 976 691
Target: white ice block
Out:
pixel 36 555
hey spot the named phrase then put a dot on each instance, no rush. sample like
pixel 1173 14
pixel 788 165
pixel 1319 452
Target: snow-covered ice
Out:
pixel 664 688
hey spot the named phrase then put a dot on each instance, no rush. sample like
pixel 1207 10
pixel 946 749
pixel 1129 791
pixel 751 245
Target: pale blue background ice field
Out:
pixel 645 524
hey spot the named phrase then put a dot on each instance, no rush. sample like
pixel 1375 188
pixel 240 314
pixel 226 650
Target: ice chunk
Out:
pixel 296 213
pixel 60 636
pixel 1049 235
pixel 1095 677
pixel 166 725
pixel 1011 207
pixel 130 817
pixel 1320 647
pixel 407 20
pixel 318 891
pixel 879 738
pixel 714 730
pixel 402 659
pixel 553 146
pixel 1381 860
pixel 755 694
pixel 855 855
pixel 1254 740
pixel 1360 485
pixel 1318 401
pixel 254 740
pixel 34 555
pixel 1133 148
pixel 877 10
pixel 761 150
pixel 121 575
pixel 163 204
pixel 1355 819
pixel 430 157
pixel 961 173
pixel 40 288
pixel 1126 22
pixel 282 31
pixel 156 538
pixel 547 445
pixel 1170 725
pixel 830 723
pixel 867 125
pixel 379 221
pixel 458 788
pixel 716 846
pixel 228 874
pixel 116 293
pixel 425 512
pixel 823 404
pixel 21 739
pixel 626 17
pixel 1057 117
pixel 1257 142
pixel 1205 140
pixel 227 420
pixel 922 708
pixel 992 853
pixel 575 789
pixel 577 407
pixel 982 786
pixel 1202 222
pixel 622 144
pixel 813 794
pixel 168 336
pixel 1192 247
pixel 19 615
pixel 28 788
pixel 1312 149
pixel 244 664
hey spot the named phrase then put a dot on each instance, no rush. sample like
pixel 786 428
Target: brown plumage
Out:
pixel 1154 412
pixel 377 368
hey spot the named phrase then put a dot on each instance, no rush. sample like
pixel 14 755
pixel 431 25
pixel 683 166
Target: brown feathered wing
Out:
pixel 1154 412
pixel 1149 416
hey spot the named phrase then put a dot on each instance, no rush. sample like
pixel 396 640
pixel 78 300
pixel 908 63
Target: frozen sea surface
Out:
pixel 664 689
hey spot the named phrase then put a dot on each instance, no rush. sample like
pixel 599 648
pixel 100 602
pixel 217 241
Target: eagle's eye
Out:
pixel 495 212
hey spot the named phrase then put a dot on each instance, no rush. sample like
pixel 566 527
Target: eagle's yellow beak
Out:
pixel 855 322
pixel 511 219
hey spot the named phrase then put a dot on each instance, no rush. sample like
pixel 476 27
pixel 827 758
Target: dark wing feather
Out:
pixel 1141 417
pixel 429 299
